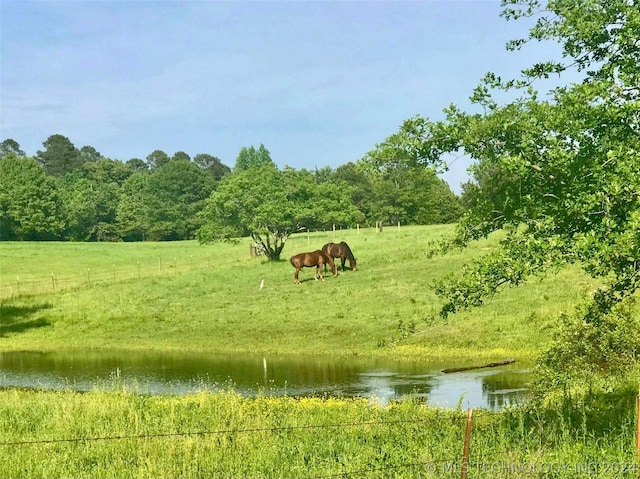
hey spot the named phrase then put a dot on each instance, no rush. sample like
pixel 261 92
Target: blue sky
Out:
pixel 318 83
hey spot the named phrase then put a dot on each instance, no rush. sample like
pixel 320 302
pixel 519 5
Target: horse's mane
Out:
pixel 349 253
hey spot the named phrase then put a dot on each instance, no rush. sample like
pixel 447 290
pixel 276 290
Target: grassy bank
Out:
pixel 98 434
pixel 212 301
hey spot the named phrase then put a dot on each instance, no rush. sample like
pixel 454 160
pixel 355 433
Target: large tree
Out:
pixel 175 193
pixel 60 156
pixel 136 164
pixel 251 158
pixel 562 173
pixel 322 202
pixel 89 208
pixel 180 155
pixel 402 190
pixel 89 154
pixel 212 165
pixel 251 202
pixel 11 146
pixel 106 170
pixel 360 187
pixel 163 204
pixel 30 208
pixel 157 159
pixel 132 213
pixel 269 205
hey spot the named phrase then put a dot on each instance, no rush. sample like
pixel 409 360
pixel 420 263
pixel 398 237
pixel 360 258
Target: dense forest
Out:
pixel 66 193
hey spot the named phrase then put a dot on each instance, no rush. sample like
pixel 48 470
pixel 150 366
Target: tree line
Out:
pixel 77 194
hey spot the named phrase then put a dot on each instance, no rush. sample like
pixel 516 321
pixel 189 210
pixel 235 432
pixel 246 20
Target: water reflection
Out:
pixel 172 373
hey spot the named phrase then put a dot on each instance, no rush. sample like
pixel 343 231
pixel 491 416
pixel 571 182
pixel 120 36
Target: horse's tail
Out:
pixel 291 261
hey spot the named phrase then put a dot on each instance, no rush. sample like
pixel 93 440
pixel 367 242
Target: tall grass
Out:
pixel 98 434
pixel 386 308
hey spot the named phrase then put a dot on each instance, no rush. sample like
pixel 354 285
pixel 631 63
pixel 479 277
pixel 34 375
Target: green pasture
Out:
pixel 184 296
pixel 187 296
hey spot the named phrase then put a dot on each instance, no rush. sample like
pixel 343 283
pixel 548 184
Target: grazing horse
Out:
pixel 340 250
pixel 316 258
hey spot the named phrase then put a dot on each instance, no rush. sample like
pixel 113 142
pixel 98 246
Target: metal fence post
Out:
pixel 638 428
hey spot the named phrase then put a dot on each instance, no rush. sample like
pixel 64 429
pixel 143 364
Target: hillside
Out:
pixel 185 296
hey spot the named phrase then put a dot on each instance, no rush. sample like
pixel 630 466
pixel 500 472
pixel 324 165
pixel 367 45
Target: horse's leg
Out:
pixel 343 260
pixel 319 271
pixel 295 276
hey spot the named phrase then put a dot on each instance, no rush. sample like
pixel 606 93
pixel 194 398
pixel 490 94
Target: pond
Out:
pixel 180 373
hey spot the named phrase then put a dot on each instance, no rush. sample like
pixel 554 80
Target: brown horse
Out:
pixel 316 258
pixel 340 250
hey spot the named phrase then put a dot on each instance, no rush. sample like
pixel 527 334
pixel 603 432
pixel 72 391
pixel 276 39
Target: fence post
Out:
pixel 638 428
pixel 464 466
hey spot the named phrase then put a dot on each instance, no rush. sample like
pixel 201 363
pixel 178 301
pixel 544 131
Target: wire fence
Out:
pixel 26 285
pixel 85 277
pixel 462 461
pixel 278 429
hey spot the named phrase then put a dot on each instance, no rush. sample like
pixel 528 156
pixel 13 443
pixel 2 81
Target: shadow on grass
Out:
pixel 312 279
pixel 17 319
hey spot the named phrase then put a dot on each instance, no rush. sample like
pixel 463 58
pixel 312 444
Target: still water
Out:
pixel 181 373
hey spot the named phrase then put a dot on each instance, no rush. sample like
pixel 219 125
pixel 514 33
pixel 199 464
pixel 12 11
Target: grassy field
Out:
pixel 185 296
pixel 98 434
